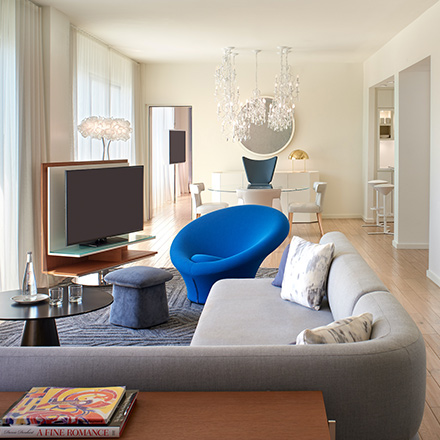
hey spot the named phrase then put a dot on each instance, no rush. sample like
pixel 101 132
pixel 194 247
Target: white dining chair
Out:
pixel 311 207
pixel 196 197
pixel 267 197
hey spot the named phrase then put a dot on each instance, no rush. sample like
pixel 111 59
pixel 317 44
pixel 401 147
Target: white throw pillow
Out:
pixel 305 274
pixel 352 329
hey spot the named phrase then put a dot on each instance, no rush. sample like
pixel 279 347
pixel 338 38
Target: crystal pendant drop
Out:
pixel 29 287
pixel 257 105
pixel 227 95
pixel 281 110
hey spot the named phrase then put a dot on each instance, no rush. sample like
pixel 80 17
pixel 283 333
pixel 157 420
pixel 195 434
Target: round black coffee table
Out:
pixel 40 328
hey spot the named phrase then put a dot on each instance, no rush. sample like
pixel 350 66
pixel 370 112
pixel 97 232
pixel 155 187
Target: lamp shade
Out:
pixel 298 155
pixel 110 129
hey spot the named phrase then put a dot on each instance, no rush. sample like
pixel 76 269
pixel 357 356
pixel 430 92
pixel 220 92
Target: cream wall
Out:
pixel 412 227
pixel 415 43
pixel 328 121
pixel 57 83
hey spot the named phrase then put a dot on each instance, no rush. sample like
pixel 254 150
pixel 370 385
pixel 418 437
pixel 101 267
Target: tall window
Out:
pixel 103 86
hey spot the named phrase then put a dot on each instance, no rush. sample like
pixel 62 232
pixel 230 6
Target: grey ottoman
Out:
pixel 140 299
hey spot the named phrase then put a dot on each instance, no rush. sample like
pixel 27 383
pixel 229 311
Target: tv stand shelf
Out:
pixel 86 265
pixel 76 261
pixel 77 251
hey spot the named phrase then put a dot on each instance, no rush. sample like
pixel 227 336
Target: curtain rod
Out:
pixel 81 31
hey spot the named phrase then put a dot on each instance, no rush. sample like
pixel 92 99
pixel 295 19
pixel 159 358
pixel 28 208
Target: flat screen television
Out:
pixel 102 203
pixel 177 146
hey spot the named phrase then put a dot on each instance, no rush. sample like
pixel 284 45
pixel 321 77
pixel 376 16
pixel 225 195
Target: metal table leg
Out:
pixel 40 332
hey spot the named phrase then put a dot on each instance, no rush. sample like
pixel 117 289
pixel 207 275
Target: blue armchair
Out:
pixel 228 243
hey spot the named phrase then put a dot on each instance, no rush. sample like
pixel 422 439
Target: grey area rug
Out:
pixel 94 329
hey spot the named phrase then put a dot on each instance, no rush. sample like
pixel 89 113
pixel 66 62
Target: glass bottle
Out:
pixel 29 282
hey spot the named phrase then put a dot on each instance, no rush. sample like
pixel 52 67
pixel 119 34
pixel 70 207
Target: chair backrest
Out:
pixel 320 188
pixel 259 172
pixel 230 231
pixel 195 189
pixel 259 196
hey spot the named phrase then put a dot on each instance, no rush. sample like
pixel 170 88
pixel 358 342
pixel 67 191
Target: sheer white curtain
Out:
pixel 183 116
pixel 22 138
pixel 9 149
pixel 183 178
pixel 103 86
pixel 162 185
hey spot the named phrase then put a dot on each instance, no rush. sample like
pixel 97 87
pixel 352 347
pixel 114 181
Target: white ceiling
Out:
pixel 198 30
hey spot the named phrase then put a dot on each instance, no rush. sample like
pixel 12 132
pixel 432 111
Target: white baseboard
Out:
pixel 410 245
pixel 433 277
pixel 324 216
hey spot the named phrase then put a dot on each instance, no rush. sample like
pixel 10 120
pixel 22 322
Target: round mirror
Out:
pixel 265 141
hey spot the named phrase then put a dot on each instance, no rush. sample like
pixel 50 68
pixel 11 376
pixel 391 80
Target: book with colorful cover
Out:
pixel 112 430
pixel 65 406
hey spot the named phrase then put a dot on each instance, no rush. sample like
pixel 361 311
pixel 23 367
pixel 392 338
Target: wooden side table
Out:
pixel 282 415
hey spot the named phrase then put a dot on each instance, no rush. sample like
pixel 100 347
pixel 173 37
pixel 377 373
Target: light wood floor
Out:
pixel 402 271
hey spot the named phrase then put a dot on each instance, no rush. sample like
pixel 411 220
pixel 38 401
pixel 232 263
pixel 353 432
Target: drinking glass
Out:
pixel 75 293
pixel 56 296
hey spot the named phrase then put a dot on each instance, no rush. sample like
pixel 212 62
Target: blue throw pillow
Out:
pixel 278 280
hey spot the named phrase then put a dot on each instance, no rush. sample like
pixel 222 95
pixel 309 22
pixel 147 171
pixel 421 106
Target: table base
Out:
pixel 40 332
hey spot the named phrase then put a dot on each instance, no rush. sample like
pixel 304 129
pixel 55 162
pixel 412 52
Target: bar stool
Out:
pixel 376 206
pixel 384 189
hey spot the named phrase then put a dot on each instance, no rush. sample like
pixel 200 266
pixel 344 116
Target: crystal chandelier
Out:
pixel 227 95
pixel 281 108
pixel 253 112
pixel 256 107
pixel 235 118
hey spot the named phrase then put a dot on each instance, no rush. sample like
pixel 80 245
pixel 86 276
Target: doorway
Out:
pixel 168 180
pixel 385 138
pixel 406 130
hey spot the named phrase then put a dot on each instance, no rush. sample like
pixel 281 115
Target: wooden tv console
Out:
pixel 71 262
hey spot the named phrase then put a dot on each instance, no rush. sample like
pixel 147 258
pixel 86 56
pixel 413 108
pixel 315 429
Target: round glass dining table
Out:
pixel 234 188
pixel 283 202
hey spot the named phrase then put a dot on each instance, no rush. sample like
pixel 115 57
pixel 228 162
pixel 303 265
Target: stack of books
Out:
pixel 48 412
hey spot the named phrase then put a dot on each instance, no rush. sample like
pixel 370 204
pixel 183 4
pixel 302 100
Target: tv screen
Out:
pixel 102 203
pixel 177 146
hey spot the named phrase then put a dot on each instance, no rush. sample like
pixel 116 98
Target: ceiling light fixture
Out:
pixel 227 94
pixel 282 107
pixel 256 107
pixel 236 119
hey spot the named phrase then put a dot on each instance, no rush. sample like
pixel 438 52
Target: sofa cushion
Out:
pixel 251 312
pixel 278 280
pixel 352 329
pixel 305 274
pixel 138 277
pixel 349 278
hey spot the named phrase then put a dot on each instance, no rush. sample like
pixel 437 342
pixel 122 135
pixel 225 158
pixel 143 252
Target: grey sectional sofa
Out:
pixel 373 389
